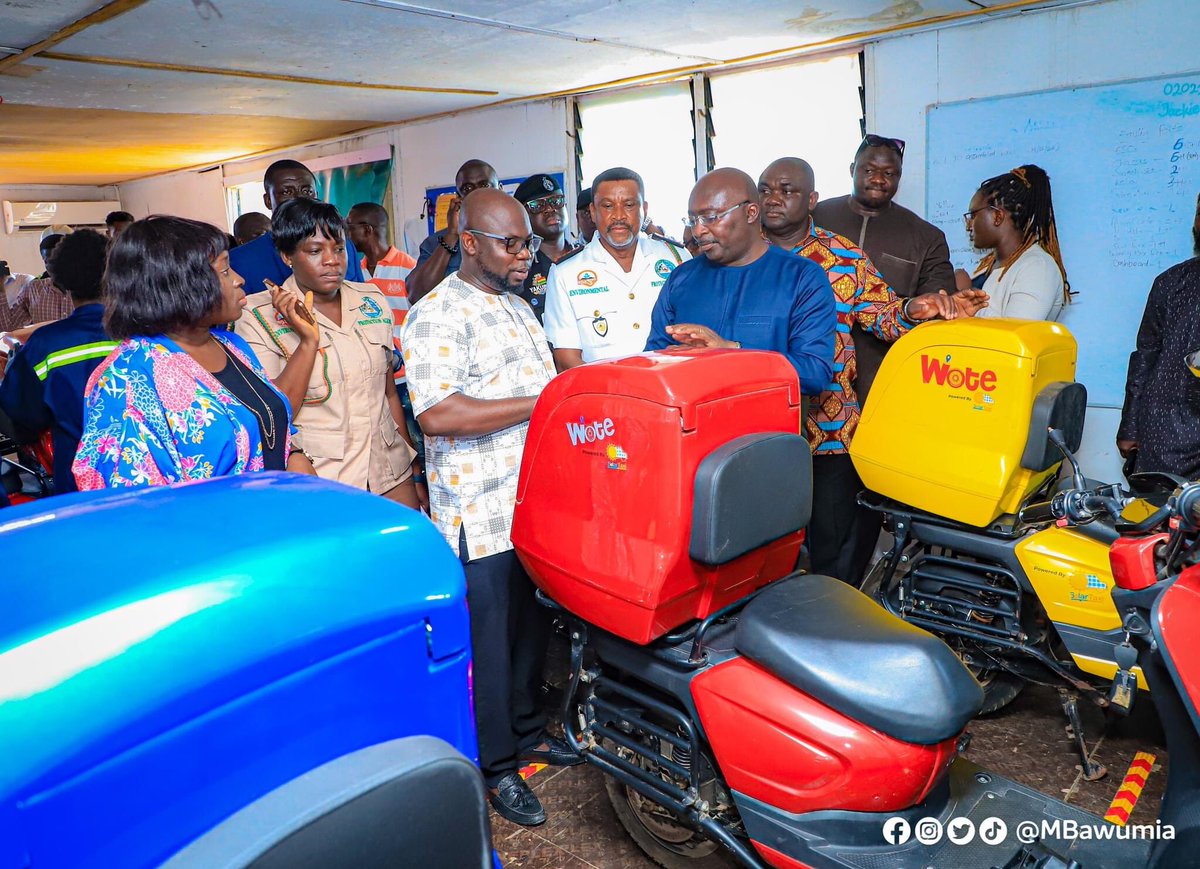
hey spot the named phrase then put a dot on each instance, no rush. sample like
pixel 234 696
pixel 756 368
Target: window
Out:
pixel 650 131
pixel 244 198
pixel 808 110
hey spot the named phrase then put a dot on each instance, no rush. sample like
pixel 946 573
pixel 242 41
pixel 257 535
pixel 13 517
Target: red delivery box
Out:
pixel 656 489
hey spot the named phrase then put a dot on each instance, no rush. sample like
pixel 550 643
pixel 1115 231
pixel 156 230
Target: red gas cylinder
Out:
pixel 605 501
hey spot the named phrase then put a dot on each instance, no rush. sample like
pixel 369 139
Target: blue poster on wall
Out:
pixel 438 198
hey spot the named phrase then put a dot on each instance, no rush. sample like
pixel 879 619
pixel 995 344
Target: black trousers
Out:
pixel 864 539
pixel 831 531
pixel 509 633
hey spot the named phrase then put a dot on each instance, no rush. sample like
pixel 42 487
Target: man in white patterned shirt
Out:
pixel 476 359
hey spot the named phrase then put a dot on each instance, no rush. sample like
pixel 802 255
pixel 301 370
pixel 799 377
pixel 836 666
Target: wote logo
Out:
pixel 589 432
pixel 967 378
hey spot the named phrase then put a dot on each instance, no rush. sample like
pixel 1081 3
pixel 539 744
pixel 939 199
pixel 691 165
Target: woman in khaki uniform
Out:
pixel 335 365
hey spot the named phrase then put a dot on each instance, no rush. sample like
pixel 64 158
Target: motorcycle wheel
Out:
pixel 1000 687
pixel 664 839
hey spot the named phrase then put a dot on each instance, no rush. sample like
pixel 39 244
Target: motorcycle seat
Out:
pixel 840 647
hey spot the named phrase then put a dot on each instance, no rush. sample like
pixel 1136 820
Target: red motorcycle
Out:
pixel 745 712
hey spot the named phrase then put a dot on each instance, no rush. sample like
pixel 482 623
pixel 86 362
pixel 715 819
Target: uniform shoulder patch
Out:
pixel 574 252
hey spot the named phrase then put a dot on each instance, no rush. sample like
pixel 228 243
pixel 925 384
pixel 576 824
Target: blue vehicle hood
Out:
pixel 127 613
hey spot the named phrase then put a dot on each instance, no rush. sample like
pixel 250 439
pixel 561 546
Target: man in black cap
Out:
pixel 583 215
pixel 546 205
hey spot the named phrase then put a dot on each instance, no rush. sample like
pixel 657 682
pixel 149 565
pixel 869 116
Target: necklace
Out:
pixel 266 428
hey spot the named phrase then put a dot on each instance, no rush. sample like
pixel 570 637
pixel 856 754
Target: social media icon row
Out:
pixel 958 831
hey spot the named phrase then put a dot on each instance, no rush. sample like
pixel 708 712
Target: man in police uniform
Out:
pixel 543 198
pixel 599 299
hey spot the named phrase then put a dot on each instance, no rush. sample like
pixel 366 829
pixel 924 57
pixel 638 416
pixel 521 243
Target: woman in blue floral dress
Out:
pixel 181 398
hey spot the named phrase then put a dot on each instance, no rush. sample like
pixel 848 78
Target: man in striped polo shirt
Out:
pixel 43 384
pixel 383 264
pixel 388 267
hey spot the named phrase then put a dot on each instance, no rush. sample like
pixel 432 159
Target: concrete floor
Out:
pixel 1027 741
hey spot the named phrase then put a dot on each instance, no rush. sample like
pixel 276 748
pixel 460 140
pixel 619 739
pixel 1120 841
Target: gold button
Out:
pixel 631 295
pixel 636 326
pixel 596 313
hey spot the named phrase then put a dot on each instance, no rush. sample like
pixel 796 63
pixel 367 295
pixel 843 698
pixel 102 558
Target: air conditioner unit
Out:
pixel 39 215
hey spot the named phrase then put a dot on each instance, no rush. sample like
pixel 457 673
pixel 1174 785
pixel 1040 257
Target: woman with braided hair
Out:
pixel 1012 217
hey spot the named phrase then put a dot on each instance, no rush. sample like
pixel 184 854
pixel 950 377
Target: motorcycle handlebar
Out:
pixel 1078 506
pixel 1187 504
pixel 1038 511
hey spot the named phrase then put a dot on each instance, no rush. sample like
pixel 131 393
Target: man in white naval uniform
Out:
pixel 599 299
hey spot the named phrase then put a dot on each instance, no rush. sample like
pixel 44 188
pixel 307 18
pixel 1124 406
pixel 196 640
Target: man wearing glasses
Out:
pixel 910 253
pixel 477 360
pixel 439 255
pixel 599 298
pixel 745 292
pixel 547 206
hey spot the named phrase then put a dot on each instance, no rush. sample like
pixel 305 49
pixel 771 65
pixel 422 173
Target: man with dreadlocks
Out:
pixel 1012 216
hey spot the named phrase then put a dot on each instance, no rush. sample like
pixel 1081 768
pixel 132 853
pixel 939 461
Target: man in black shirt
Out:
pixel 1160 422
pixel 910 253
pixel 543 199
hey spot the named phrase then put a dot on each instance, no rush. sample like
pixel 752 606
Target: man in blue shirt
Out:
pixel 439 256
pixel 745 292
pixel 43 386
pixel 258 259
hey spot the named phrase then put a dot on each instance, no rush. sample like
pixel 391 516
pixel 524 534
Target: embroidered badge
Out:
pixel 370 308
pixel 547 184
pixel 538 285
pixel 587 278
pixel 664 267
pixel 601 326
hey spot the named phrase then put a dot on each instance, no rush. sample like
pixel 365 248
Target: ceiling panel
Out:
pixel 350 41
pixel 709 29
pixel 24 22
pixel 102 122
pixel 79 85
pixel 99 147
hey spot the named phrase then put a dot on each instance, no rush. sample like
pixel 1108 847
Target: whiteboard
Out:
pixel 1124 166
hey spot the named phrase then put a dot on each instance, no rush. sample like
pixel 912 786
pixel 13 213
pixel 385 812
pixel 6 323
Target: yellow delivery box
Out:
pixel 957 417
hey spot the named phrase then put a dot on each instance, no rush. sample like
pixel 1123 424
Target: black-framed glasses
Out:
pixel 968 216
pixel 513 244
pixel 870 140
pixel 710 219
pixel 554 203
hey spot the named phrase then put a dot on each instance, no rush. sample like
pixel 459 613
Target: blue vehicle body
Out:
pixel 166 660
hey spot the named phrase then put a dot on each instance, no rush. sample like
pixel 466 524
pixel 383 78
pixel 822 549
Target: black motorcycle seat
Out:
pixel 840 647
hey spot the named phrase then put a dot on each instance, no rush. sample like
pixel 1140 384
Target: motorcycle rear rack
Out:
pixel 600 714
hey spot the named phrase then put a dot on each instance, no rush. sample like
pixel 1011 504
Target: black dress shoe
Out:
pixel 557 752
pixel 514 800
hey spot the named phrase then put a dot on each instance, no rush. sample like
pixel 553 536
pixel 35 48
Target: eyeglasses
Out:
pixel 710 219
pixel 968 216
pixel 513 245
pixel 554 202
pixel 870 140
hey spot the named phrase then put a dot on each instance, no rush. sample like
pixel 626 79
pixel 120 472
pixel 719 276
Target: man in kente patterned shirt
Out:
pixel 838 532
